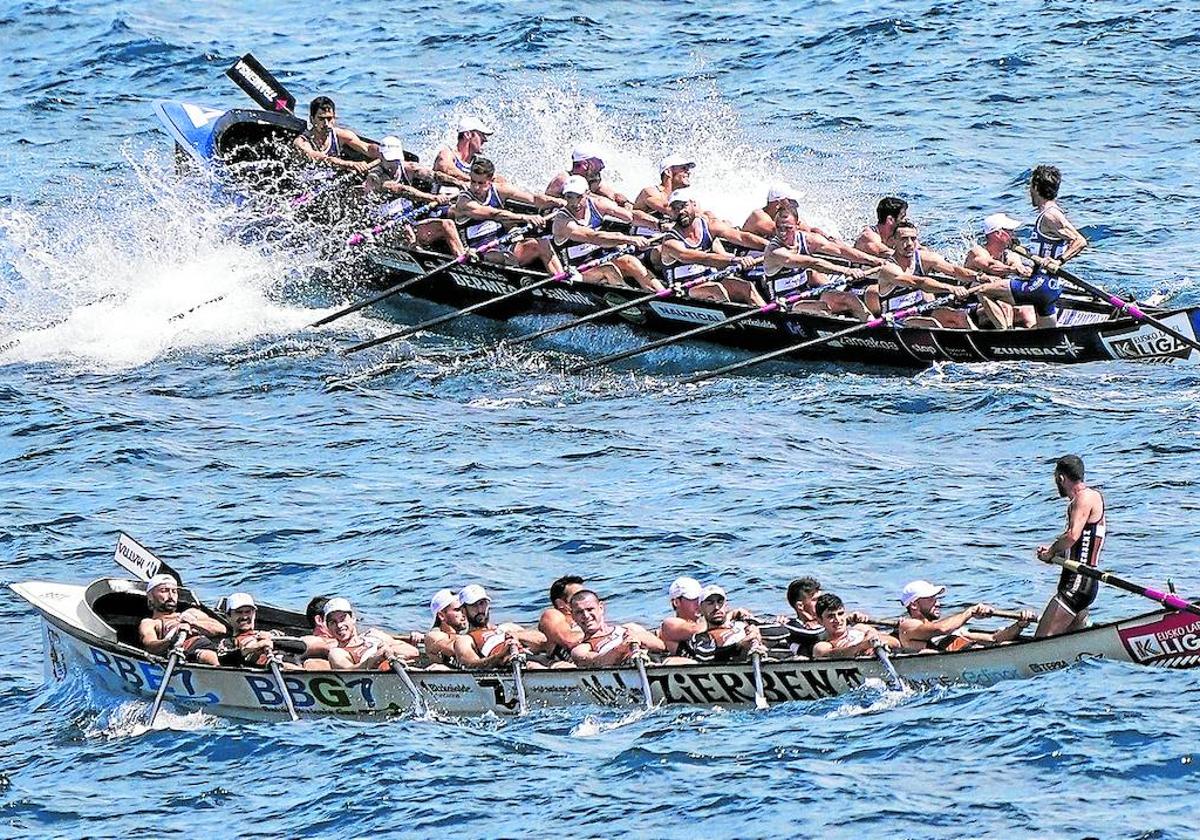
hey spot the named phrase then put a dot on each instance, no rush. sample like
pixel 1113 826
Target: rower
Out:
pixel 578 238
pixel 905 282
pixel 789 264
pixel 157 633
pixel 587 163
pixel 727 635
pixel 323 141
pixel 394 179
pixel 453 163
pixel 687 620
pixel 485 645
pixel 355 651
pixel 1082 542
pixel 557 623
pixel 843 639
pixel 804 628
pixel 924 629
pixel 994 259
pixel 449 622
pixel 604 644
pixel 761 221
pixel 692 247
pixel 877 238
pixel 319 641
pixel 254 648
pixel 480 206
pixel 674 173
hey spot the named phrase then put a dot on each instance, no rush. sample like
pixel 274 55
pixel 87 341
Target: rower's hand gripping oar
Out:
pixel 173 659
pixel 1165 598
pixel 880 320
pixel 880 651
pixel 1130 308
pixel 276 672
pixel 483 304
pixel 517 663
pixel 369 234
pixel 640 658
pixel 513 234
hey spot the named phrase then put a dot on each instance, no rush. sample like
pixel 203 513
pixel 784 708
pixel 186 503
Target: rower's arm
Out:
pixel 651 200
pixel 978 259
pixel 646 639
pixel 870 242
pixel 819 244
pixel 443 165
pixel 582 233
pixel 612 195
pixel 1056 224
pixel 339 660
pixel 923 631
pixel 204 622
pixel 558 630
pixel 469 208
pixel 1077 517
pixel 583 656
pixel 822 650
pixel 691 256
pixel 348 139
pixel 935 262
pixel 794 259
pixel 409 191
pixel 464 652
pixel 674 630
pixel 913 281
pixel 737 236
pixel 148 636
pixel 610 209
pixel 306 148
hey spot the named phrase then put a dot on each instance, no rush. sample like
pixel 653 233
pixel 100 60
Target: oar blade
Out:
pixel 258 83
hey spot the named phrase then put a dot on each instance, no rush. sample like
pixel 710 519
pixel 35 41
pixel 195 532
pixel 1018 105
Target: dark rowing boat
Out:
pixel 1088 331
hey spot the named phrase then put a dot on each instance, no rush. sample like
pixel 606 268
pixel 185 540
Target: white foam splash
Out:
pixel 592 726
pixel 128 720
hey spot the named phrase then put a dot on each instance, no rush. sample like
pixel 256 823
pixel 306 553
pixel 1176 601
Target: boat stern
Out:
pixel 193 127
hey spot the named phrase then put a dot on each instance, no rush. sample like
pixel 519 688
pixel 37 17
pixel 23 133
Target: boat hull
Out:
pixel 72 645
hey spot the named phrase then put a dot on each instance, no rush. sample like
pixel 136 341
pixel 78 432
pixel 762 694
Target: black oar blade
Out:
pixel 258 83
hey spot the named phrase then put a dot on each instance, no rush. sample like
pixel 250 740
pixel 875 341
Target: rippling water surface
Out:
pixel 241 445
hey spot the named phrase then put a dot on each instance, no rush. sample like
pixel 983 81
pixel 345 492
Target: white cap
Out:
pixel 682 194
pixel 337 605
pixel 780 190
pixel 575 185
pixel 473 593
pixel 238 600
pixel 473 124
pixel 160 580
pixel 586 151
pixel 674 160
pixel 390 148
pixel 440 600
pixel 711 590
pixel 999 221
pixel 686 588
pixel 918 589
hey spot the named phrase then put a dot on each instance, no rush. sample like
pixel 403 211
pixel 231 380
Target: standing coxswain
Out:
pixel 323 141
pixel 1082 542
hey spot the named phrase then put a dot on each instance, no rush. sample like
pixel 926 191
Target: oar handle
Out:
pixel 1167 599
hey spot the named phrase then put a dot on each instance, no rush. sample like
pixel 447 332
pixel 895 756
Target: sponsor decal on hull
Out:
pixel 399 261
pixel 470 280
pixel 691 314
pixel 1171 642
pixel 563 295
pixel 1147 344
pixel 1065 349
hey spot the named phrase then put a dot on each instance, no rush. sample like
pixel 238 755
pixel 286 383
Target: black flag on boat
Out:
pixel 248 74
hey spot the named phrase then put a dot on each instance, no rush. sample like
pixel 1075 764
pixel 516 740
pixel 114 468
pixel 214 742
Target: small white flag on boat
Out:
pixel 136 558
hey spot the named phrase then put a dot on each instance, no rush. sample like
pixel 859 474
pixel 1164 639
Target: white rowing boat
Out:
pixel 90 631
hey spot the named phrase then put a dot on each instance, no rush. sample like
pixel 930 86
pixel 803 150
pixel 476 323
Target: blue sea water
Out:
pixel 246 449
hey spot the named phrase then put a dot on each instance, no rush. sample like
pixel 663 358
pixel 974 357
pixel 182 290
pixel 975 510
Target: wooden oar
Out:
pixel 273 664
pixel 173 660
pixel 522 705
pixel 880 649
pixel 483 304
pixel 760 697
pixel 402 673
pixel 880 320
pixel 404 218
pixel 639 658
pixel 1130 308
pixel 787 300
pixel 515 233
pixel 1164 598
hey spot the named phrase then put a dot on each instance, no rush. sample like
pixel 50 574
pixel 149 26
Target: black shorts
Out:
pixel 1077 592
pixel 194 645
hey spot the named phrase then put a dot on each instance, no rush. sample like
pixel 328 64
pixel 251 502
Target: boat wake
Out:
pixel 128 720
pixel 593 726
pixel 874 697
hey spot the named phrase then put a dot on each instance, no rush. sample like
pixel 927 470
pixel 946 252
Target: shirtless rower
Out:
pixel 251 647
pixel 605 644
pixel 687 620
pixel 674 173
pixel 480 206
pixel 557 623
pixel 905 282
pixel 692 247
pixel 358 651
pixel 449 622
pixel 994 259
pixel 841 637
pixel 1082 542
pixel 485 645
pixel 587 163
pixel 727 635
pixel 576 234
pixel 924 629
pixel 324 141
pixel 158 632
pixel 394 181
pixel 453 164
pixel 877 238
pixel 761 221
pixel 790 264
